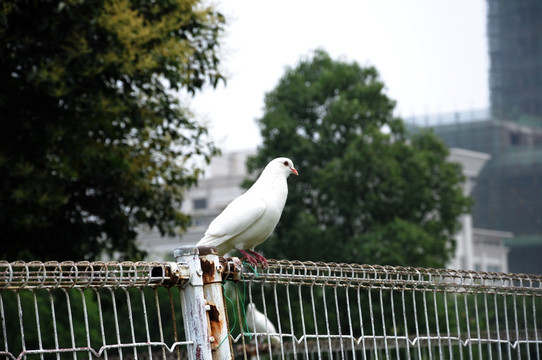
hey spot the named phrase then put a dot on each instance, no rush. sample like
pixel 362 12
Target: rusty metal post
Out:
pixel 193 304
pixel 212 289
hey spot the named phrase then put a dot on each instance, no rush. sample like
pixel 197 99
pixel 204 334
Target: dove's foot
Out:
pixel 254 258
pixel 260 258
pixel 251 259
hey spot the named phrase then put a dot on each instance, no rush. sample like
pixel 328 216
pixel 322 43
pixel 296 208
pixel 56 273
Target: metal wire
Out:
pixel 90 309
pixel 320 311
pixel 84 274
pixel 388 277
pixel 398 312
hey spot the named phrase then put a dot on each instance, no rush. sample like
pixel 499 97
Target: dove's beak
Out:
pixel 294 171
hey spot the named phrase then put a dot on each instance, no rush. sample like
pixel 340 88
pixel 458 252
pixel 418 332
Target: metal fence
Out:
pixel 203 307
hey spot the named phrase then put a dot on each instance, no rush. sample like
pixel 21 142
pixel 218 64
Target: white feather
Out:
pixel 249 219
pixel 257 322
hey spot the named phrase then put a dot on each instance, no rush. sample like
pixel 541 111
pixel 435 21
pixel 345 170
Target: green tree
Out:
pixel 368 191
pixel 93 137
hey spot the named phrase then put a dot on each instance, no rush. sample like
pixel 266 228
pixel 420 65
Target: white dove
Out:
pixel 250 218
pixel 258 323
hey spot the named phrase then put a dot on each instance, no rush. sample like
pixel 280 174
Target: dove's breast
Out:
pixel 251 218
pixel 257 233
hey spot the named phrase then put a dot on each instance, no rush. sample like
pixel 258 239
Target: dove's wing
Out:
pixel 238 216
pixel 249 219
pixel 259 323
pixel 265 324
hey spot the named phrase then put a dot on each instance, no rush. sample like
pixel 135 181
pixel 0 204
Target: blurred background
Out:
pixel 470 70
pixel 128 126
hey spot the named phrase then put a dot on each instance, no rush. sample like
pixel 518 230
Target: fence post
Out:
pixel 193 304
pixel 214 296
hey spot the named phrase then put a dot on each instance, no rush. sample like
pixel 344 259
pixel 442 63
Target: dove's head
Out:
pixel 251 307
pixel 285 165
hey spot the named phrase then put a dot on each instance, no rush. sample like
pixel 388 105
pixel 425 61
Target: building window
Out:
pixel 494 268
pixel 198 221
pixel 515 138
pixel 199 204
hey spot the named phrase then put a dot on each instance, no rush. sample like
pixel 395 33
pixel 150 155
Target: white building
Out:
pixel 476 249
pixel 489 252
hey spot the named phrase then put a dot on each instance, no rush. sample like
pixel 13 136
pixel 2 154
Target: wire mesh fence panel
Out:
pixel 87 310
pixel 340 311
pixel 291 310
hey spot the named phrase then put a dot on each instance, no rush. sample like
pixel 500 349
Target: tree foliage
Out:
pixel 368 191
pixel 94 140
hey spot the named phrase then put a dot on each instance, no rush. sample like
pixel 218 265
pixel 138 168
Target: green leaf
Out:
pixel 368 192
pixel 95 141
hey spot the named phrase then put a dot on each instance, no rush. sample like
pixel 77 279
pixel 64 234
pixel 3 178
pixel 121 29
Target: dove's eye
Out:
pixel 285 163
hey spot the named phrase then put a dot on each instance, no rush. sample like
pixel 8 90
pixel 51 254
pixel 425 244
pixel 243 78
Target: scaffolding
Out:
pixel 509 188
pixel 515 75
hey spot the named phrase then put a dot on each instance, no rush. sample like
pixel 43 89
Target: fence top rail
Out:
pixel 84 274
pixel 112 274
pixel 394 277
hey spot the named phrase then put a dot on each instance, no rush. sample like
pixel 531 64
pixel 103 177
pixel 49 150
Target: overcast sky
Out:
pixel 431 54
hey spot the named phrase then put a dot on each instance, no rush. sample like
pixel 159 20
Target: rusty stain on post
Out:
pixel 208 269
pixel 217 315
pixel 193 303
pixel 231 268
pixel 215 323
